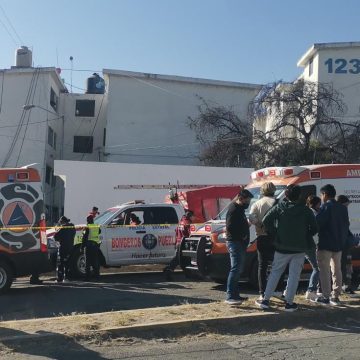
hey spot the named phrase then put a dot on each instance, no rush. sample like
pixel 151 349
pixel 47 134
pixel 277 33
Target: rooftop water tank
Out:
pixel 23 57
pixel 95 84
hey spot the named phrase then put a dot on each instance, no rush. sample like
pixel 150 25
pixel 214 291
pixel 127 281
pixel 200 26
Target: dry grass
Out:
pixel 83 323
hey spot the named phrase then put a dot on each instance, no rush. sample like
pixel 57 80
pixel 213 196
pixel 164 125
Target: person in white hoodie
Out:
pixel 264 242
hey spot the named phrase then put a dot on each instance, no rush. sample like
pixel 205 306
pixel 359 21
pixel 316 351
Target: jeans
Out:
pixel 330 260
pixel 237 252
pixel 314 277
pixel 265 252
pixel 62 270
pixel 296 262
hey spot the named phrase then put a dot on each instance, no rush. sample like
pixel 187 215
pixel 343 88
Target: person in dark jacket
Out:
pixel 346 257
pixel 333 221
pixel 65 237
pixel 237 240
pixel 91 244
pixel 292 224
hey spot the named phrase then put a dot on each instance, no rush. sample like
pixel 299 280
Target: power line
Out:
pixel 11 25
pixel 9 33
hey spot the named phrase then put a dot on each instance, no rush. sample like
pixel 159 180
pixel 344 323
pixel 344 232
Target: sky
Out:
pixel 248 41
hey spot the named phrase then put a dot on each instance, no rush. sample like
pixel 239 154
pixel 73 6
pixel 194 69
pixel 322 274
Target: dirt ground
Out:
pixel 83 323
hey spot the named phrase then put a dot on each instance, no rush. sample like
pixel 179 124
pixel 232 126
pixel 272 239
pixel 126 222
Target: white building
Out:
pixel 337 64
pixel 147 115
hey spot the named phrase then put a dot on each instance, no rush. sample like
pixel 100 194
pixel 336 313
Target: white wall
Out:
pixel 91 184
pixel 147 115
pixel 84 126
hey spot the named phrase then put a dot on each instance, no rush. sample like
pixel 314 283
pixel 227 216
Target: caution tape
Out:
pixel 80 227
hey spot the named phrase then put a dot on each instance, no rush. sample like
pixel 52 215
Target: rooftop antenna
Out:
pixel 71 71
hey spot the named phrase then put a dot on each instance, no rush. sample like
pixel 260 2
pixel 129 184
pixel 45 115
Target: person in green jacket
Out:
pixel 293 225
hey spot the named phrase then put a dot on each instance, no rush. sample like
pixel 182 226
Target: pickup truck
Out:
pixel 150 242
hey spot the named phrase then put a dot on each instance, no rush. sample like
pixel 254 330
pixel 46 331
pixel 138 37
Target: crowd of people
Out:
pixel 288 231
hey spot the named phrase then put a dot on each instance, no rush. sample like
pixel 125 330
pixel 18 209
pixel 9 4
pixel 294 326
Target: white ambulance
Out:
pixel 205 251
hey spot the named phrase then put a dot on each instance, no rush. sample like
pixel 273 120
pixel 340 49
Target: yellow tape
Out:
pixel 78 227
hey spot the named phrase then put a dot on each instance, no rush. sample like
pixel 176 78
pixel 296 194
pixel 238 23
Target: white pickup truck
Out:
pixel 150 242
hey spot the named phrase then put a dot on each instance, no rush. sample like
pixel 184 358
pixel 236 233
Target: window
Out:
pixel 50 136
pixel 54 144
pixel 53 99
pixel 83 144
pixel 160 215
pixel 48 174
pixel 311 69
pixel 85 108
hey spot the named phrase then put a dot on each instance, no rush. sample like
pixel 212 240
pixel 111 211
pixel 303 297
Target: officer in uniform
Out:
pixel 91 243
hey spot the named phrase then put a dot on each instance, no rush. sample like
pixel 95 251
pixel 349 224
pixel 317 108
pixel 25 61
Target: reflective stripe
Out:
pixel 94 233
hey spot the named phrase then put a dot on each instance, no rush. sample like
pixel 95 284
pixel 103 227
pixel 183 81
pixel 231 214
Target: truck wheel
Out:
pixel 6 277
pixel 78 264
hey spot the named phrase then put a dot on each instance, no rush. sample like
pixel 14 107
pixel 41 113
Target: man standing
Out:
pixel 333 221
pixel 293 224
pixel 237 240
pixel 65 236
pixel 264 241
pixel 182 230
pixel 91 243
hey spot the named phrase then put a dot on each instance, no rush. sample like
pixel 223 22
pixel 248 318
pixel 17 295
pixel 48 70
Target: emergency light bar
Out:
pixel 274 172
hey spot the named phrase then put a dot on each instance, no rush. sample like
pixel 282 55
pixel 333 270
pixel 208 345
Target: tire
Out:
pixel 6 277
pixel 77 264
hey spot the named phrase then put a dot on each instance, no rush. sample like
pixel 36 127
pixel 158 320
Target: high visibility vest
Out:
pixel 94 233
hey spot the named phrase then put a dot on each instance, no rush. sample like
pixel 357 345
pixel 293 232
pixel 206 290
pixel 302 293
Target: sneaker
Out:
pixel 233 302
pixel 66 281
pixel 321 301
pixel 335 301
pixel 310 295
pixel 263 304
pixel 291 307
pixel 261 297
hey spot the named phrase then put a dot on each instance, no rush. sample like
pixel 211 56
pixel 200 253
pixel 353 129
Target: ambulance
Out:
pixel 204 253
pixel 23 243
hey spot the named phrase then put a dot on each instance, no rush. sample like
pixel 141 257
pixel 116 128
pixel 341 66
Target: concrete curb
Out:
pixel 240 324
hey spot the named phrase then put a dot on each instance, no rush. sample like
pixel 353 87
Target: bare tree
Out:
pixel 226 139
pixel 289 124
pixel 301 123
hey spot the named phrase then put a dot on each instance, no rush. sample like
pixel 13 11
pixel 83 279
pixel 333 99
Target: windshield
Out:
pixel 256 193
pixel 105 216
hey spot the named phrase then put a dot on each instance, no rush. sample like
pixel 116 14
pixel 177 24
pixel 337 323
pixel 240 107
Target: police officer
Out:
pixel 91 243
pixel 65 236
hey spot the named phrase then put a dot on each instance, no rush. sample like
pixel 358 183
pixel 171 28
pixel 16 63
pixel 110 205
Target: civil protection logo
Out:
pixel 149 241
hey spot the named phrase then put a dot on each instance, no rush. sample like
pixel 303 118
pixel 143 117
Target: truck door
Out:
pixel 123 241
pixel 160 239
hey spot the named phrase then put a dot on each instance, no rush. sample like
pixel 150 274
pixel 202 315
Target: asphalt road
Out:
pixel 323 341
pixel 121 291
